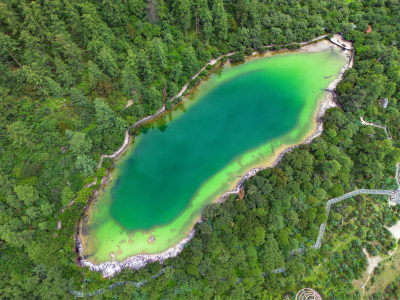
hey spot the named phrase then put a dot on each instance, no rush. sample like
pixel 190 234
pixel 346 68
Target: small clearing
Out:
pixel 395 230
pixel 373 261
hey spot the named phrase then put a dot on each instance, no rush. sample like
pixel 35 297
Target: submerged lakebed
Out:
pixel 240 118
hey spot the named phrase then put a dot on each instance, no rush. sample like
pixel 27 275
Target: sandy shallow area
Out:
pixel 110 268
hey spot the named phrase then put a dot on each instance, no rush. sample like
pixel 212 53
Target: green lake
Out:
pixel 240 118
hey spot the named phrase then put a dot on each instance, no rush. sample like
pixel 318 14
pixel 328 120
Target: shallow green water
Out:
pixel 236 120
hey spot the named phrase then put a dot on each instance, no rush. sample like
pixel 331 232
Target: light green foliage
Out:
pixel 220 19
pixel 19 134
pixel 66 195
pixel 85 165
pixel 83 195
pixel 94 74
pixel 258 236
pixel 26 194
pixel 78 142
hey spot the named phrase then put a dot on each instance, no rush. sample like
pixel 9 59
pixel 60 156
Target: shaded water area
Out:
pixel 239 119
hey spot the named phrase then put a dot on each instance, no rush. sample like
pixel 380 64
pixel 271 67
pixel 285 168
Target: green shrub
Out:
pixel 293 46
pixel 237 57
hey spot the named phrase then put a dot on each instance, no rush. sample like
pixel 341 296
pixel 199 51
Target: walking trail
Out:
pixel 72 202
pixel 378 126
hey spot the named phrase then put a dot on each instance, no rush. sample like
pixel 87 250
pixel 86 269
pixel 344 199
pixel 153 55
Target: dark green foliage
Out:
pixel 293 46
pixel 237 57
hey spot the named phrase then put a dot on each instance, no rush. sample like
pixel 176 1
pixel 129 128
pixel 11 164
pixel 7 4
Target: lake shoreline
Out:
pixel 110 268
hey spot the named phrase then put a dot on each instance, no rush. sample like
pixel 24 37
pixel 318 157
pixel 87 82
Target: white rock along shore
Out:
pixel 110 268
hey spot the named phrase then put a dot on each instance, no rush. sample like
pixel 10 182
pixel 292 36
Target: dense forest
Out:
pixel 68 69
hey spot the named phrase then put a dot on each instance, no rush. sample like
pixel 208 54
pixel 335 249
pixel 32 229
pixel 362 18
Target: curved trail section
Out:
pixel 119 151
pixel 73 201
pixel 377 126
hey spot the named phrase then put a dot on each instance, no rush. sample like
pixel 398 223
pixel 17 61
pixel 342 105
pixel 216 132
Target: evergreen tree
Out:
pixel 94 74
pixel 190 63
pixel 242 12
pixel 220 19
pixel 183 14
pixel 78 142
pixel 204 18
pixel 131 85
pixel 85 165
pixel 158 54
